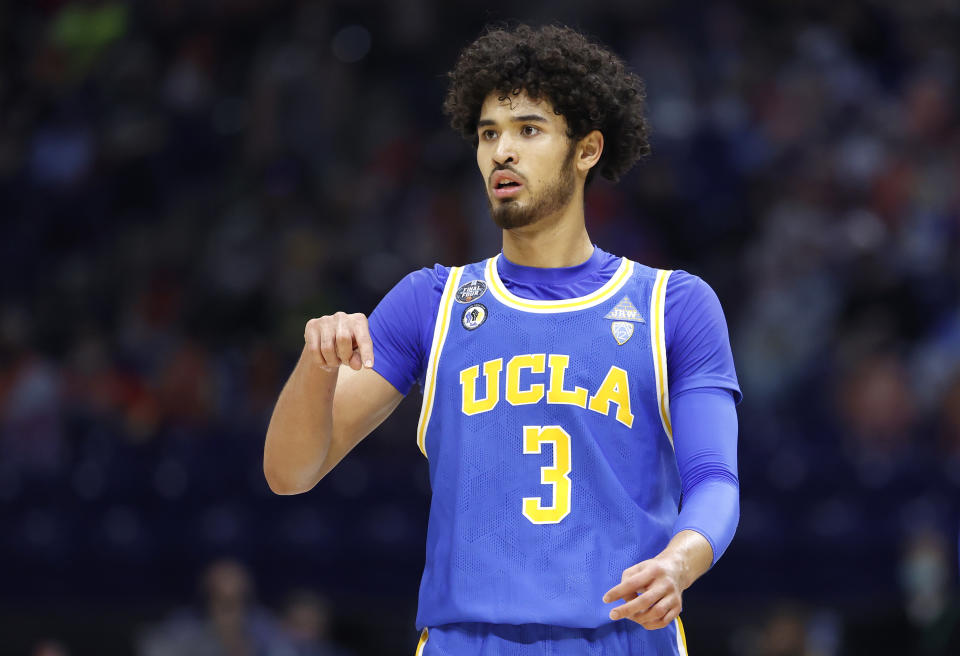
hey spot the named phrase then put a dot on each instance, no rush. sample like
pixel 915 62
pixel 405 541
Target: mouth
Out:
pixel 507 189
pixel 505 185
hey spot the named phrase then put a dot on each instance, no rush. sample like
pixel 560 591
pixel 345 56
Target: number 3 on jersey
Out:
pixel 557 476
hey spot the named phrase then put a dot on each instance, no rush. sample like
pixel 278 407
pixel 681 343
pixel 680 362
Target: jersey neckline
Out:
pixel 508 298
pixel 553 275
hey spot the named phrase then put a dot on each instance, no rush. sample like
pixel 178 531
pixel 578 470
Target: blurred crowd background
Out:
pixel 184 184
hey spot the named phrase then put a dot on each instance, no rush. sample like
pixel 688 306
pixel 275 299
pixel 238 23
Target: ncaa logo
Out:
pixel 474 316
pixel 471 291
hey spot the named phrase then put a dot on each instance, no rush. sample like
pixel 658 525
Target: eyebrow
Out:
pixel 526 118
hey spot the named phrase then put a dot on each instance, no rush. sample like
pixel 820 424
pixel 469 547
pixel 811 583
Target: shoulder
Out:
pixel 428 278
pixel 421 288
pixel 697 339
pixel 682 287
pixel 648 273
pixel 691 302
pixel 402 324
pixel 437 275
pixel 425 286
pixel 688 291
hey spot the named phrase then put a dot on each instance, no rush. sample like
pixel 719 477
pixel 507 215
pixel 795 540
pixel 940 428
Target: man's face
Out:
pixel 525 157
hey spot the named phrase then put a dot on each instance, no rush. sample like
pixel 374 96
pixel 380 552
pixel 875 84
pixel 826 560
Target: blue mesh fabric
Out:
pixel 486 562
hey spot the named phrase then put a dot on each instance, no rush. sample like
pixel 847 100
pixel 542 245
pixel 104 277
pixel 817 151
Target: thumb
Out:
pixel 364 351
pixel 355 362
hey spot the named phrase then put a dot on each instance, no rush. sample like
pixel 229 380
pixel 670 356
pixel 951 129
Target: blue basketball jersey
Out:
pixel 546 425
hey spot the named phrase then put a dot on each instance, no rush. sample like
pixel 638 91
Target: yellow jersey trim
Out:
pixel 681 638
pixel 502 294
pixel 423 642
pixel 439 336
pixel 659 348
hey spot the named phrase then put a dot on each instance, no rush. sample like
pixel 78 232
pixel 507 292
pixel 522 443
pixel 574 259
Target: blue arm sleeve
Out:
pixel 705 439
pixel 698 345
pixel 703 394
pixel 401 326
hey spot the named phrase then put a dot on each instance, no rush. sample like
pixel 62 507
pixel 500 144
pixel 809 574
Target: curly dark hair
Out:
pixel 586 83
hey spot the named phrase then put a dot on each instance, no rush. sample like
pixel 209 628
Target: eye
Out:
pixel 529 130
pixel 488 135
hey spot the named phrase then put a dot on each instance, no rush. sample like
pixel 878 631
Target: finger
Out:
pixel 361 335
pixel 636 581
pixel 344 341
pixel 638 605
pixel 328 350
pixel 652 625
pixel 311 337
pixel 655 613
pixel 633 569
pixel 355 363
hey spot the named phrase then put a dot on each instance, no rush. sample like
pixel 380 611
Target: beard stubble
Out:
pixel 511 214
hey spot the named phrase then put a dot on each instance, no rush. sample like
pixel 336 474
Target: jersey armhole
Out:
pixel 659 349
pixel 440 330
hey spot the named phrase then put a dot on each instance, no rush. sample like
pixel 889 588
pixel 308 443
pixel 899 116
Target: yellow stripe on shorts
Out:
pixel 423 642
pixel 681 638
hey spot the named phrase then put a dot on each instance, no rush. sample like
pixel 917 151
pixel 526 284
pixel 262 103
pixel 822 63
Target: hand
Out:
pixel 652 590
pixel 339 339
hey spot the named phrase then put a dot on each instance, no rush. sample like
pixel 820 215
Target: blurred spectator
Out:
pixel 783 634
pixel 230 624
pixel 949 420
pixel 790 629
pixel 930 594
pixel 49 648
pixel 31 421
pixel 878 407
pixel 306 621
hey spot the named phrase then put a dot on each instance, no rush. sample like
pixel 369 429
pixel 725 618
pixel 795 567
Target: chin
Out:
pixel 510 214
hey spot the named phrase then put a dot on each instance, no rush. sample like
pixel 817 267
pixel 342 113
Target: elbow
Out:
pixel 283 484
pixel 278 486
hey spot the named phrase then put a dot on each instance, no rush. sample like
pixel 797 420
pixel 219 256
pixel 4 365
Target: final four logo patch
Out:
pixel 471 291
pixel 474 316
pixel 624 314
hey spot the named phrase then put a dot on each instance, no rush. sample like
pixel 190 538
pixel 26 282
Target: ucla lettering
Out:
pixel 615 388
pixel 528 381
pixel 468 383
pixel 533 362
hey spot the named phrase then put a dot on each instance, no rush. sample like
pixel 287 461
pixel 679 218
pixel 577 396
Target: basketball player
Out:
pixel 571 398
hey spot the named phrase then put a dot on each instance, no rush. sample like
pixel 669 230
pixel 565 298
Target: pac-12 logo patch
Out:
pixel 622 331
pixel 625 316
pixel 474 316
pixel 471 291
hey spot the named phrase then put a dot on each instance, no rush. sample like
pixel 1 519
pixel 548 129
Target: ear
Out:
pixel 589 150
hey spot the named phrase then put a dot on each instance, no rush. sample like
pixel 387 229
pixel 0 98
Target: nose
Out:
pixel 505 152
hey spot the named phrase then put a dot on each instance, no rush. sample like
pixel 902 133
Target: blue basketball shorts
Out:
pixel 623 638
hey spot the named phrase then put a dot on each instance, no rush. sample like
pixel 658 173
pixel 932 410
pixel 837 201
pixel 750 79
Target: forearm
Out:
pixel 705 438
pixel 299 435
pixel 712 509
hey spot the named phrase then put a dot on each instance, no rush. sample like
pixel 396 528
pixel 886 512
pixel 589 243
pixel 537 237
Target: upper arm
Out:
pixel 698 344
pixel 361 401
pixel 400 327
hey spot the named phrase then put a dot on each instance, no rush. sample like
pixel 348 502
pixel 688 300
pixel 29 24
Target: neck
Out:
pixel 554 241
